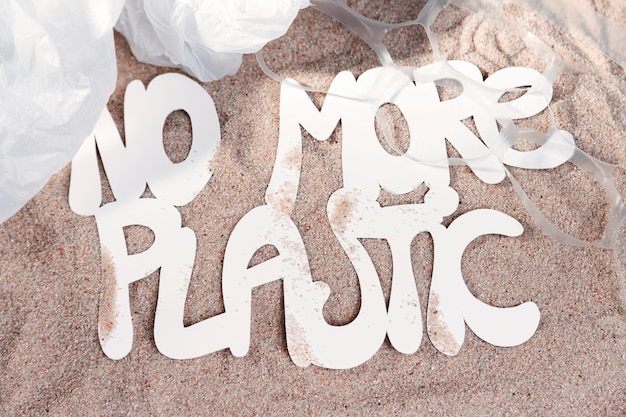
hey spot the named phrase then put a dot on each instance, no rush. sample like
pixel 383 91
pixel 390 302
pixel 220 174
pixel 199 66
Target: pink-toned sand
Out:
pixel 51 362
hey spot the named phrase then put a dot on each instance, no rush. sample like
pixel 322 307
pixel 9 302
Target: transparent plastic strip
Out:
pixel 372 32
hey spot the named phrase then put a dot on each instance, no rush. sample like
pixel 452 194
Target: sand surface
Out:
pixel 51 362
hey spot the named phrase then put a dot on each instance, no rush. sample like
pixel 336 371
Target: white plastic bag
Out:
pixel 206 38
pixel 57 70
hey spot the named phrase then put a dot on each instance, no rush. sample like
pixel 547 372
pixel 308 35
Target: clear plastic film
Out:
pixel 585 23
pixel 57 70
pixel 499 131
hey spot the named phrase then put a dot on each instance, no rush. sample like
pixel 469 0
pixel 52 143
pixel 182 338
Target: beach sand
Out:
pixel 51 362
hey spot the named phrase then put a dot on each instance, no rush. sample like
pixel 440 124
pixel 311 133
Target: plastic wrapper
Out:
pixel 205 38
pixel 57 70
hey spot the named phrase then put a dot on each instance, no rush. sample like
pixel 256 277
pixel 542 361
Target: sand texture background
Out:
pixel 50 279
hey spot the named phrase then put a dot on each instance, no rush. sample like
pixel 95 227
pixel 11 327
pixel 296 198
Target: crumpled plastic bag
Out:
pixel 206 38
pixel 57 70
pixel 58 67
